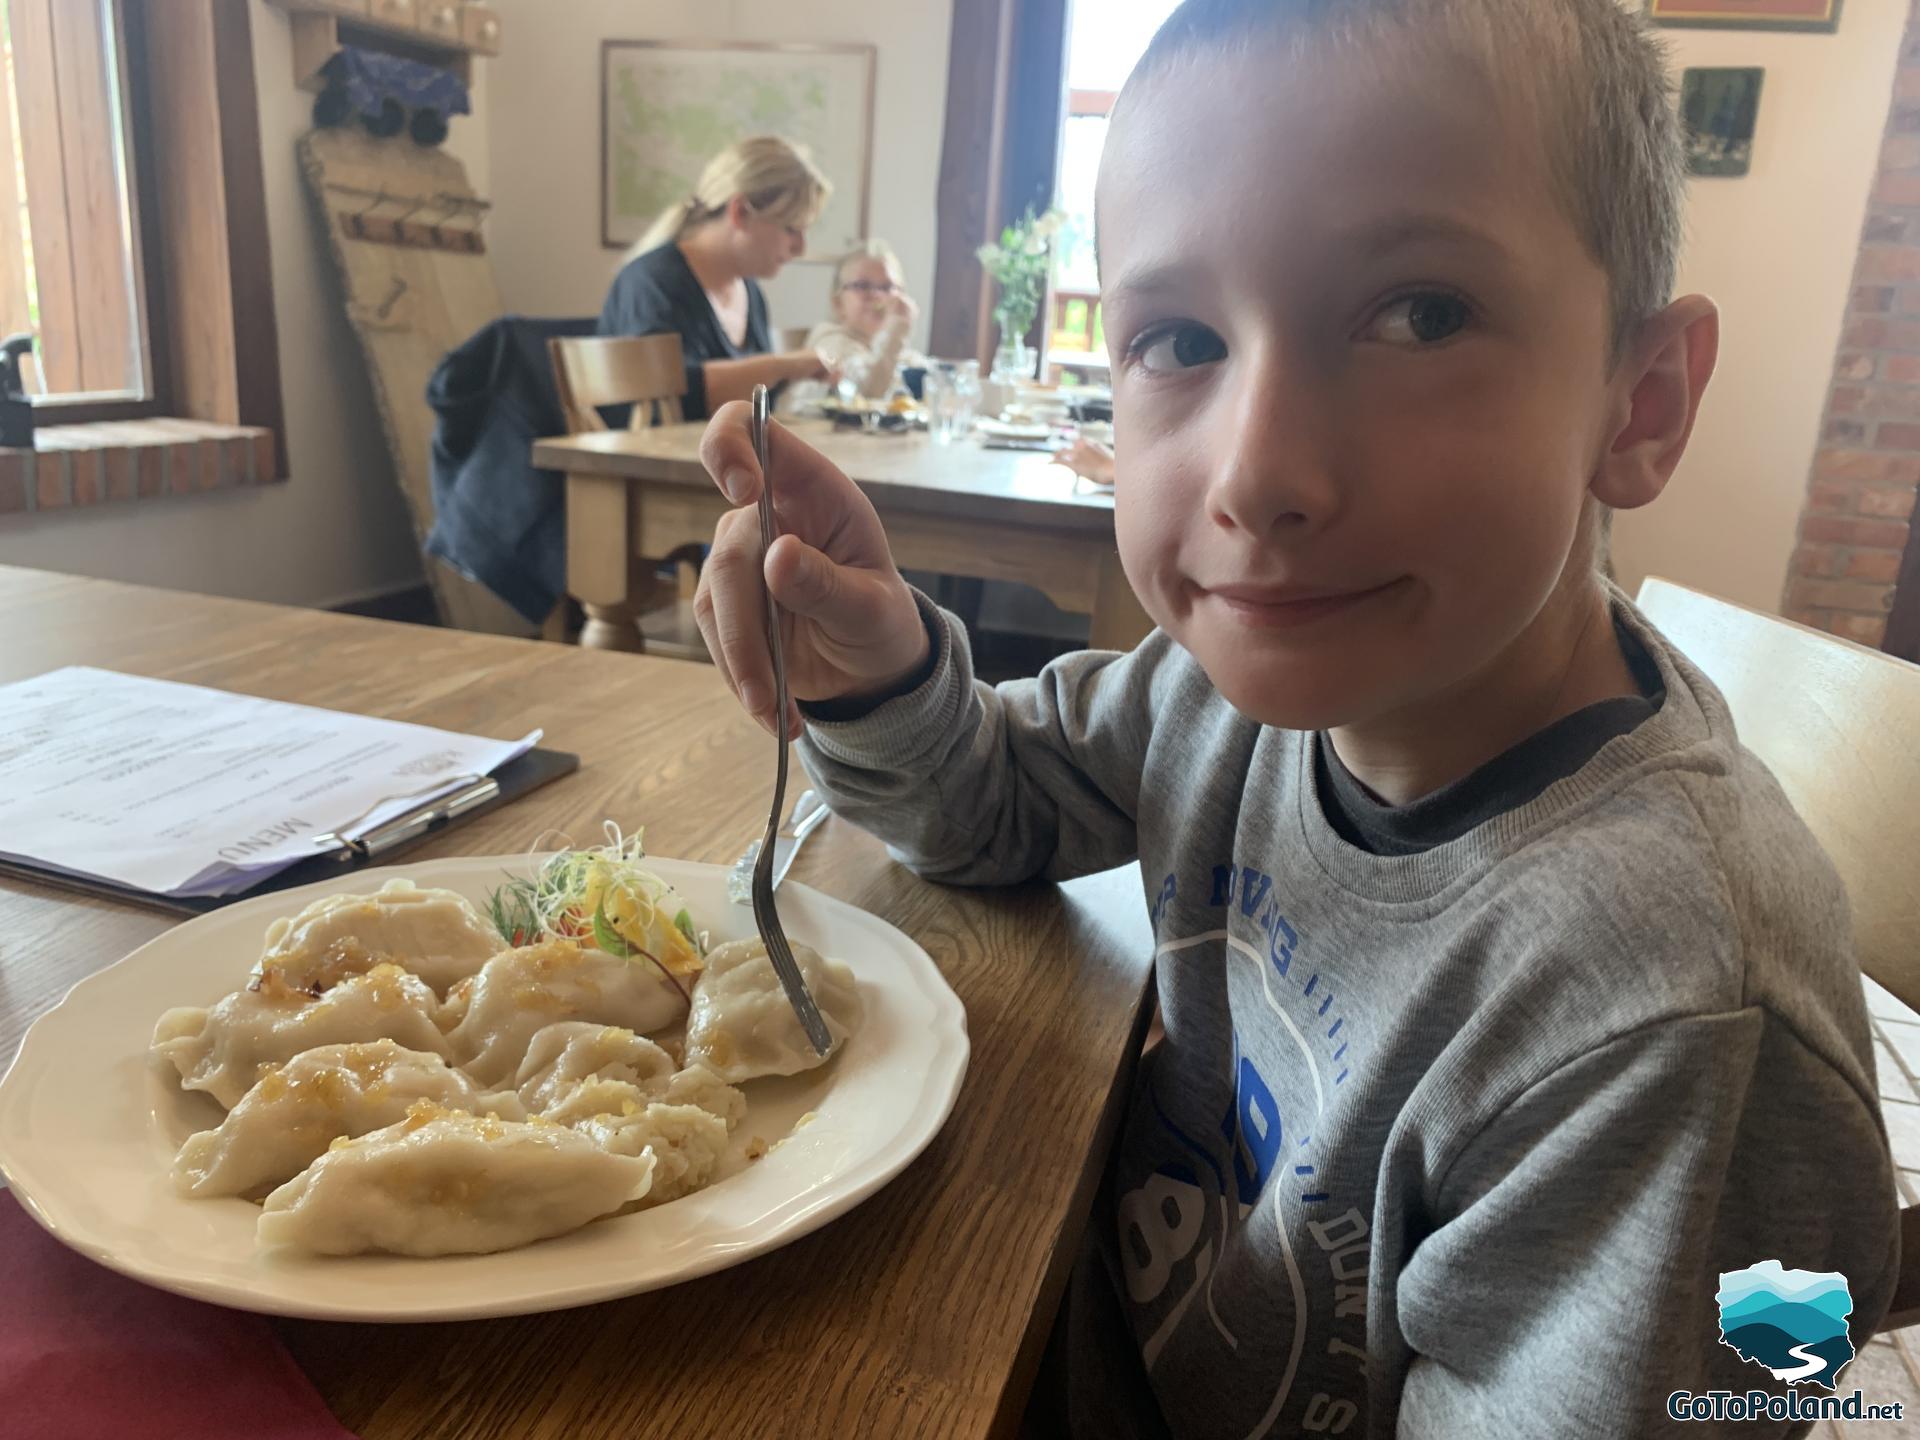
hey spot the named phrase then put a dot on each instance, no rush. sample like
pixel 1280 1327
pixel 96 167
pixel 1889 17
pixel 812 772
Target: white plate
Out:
pixel 1010 430
pixel 89 1123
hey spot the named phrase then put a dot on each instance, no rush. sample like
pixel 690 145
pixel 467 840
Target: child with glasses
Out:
pixel 866 338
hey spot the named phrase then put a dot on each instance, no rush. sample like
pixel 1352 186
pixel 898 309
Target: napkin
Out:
pixel 86 1353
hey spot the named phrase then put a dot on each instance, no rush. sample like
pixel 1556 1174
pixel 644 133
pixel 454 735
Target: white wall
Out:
pixel 545 112
pixel 337 530
pixel 1776 249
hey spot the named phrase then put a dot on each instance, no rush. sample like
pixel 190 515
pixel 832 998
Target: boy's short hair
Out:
pixel 1597 75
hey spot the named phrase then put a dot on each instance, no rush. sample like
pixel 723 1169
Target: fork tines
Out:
pixel 788 969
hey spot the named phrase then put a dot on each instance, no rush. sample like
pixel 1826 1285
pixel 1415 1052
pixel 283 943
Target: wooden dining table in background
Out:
pixel 960 509
pixel 922 1312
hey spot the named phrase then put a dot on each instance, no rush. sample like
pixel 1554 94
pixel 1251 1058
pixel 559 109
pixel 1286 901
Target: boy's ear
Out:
pixel 1662 379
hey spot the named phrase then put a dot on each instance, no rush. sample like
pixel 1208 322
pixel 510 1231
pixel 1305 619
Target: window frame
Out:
pixel 193 125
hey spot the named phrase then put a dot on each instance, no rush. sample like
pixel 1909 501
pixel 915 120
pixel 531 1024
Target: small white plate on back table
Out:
pixel 90 1122
pixel 1030 432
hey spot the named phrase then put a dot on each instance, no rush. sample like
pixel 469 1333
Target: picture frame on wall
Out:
pixel 667 107
pixel 1821 16
pixel 1720 109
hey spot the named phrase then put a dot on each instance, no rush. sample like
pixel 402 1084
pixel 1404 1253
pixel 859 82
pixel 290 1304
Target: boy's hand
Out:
pixel 849 627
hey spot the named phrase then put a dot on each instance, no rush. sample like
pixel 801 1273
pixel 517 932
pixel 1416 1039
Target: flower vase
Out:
pixel 1013 361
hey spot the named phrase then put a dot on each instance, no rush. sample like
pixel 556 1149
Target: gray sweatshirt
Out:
pixel 1454 1144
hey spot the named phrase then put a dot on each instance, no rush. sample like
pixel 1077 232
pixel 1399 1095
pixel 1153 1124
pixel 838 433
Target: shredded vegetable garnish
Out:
pixel 603 897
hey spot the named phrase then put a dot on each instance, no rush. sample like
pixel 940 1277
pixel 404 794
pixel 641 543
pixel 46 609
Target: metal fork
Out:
pixel 766 919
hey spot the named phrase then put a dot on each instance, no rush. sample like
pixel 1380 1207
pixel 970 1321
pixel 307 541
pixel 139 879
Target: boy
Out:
pixel 1507 1002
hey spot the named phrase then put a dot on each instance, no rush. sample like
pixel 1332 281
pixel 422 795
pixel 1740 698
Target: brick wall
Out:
pixel 1854 527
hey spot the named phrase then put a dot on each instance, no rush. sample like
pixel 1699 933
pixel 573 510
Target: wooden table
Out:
pixel 920 1313
pixel 956 509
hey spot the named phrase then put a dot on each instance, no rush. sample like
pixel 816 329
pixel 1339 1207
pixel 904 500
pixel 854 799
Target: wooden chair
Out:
pixel 1839 726
pixel 646 372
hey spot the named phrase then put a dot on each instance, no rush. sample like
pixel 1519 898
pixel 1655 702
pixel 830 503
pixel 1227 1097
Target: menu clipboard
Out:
pixel 515 778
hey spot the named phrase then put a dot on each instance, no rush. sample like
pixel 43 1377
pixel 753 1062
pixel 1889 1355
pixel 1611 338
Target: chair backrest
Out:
pixel 644 371
pixel 1839 726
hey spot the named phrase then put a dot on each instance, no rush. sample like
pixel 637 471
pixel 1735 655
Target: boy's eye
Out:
pixel 1425 319
pixel 1180 347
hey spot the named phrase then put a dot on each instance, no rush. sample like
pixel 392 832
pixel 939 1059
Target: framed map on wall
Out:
pixel 1747 14
pixel 667 107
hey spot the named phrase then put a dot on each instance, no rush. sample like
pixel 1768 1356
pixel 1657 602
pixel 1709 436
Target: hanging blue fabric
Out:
pixel 372 77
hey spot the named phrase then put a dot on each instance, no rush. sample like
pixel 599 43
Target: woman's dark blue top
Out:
pixel 658 294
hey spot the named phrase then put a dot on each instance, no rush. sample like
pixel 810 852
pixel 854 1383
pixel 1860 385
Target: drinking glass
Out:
pixel 951 395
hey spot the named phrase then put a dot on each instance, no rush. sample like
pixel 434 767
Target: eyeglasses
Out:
pixel 871 287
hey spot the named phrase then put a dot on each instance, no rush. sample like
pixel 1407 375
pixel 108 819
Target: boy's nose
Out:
pixel 1267 473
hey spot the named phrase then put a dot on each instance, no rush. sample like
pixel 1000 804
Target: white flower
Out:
pixel 987 254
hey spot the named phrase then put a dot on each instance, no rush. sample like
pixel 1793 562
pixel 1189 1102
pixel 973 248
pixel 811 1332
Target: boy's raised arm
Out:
pixel 967 783
pixel 978 785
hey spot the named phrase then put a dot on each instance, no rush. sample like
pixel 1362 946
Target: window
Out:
pixel 1105 40
pixel 1075 340
pixel 69 252
pixel 134 244
pixel 1029 87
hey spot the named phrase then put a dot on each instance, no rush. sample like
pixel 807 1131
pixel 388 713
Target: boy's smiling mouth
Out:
pixel 1281 606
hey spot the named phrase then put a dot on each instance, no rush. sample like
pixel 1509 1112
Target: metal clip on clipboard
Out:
pixel 411 824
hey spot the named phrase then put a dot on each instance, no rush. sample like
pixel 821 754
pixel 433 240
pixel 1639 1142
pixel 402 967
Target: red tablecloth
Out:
pixel 86 1354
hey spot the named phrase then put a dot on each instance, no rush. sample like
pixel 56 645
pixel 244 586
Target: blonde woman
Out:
pixel 696 271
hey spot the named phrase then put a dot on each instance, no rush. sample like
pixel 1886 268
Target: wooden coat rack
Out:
pixel 440 221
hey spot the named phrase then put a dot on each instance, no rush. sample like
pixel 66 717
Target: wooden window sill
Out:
pixel 71 466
